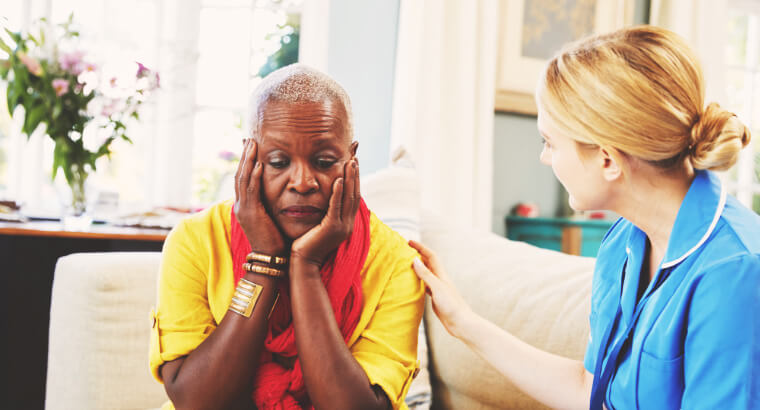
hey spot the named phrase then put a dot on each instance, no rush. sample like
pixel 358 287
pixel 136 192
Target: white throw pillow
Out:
pixel 393 194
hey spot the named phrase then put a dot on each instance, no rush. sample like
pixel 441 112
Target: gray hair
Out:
pixel 297 83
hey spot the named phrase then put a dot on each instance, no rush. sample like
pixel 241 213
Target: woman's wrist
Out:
pixel 267 281
pixel 304 267
pixel 272 249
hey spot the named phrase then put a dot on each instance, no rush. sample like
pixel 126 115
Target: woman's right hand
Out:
pixel 259 228
pixel 448 304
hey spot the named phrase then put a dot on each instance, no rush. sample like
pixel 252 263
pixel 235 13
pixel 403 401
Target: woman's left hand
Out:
pixel 315 245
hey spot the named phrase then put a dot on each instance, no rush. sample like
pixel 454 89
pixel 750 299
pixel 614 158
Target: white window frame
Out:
pixel 745 185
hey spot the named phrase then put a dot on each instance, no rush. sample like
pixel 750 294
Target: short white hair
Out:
pixel 297 83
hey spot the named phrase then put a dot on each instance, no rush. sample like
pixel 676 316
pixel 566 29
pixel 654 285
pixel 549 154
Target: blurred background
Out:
pixel 447 81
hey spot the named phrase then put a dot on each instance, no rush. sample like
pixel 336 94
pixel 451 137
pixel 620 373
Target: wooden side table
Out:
pixel 573 236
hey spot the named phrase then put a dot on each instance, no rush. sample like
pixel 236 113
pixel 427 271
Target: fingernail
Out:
pixel 417 263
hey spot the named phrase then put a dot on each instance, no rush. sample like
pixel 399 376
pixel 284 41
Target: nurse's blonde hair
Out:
pixel 640 90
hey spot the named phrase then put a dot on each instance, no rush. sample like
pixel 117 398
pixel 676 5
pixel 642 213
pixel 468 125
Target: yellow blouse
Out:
pixel 196 286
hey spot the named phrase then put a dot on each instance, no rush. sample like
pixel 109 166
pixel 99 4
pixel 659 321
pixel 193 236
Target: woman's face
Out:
pixel 302 148
pixel 580 175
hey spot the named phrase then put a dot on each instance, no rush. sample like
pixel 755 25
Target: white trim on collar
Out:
pixel 716 217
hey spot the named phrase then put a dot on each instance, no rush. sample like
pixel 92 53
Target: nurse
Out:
pixel 675 301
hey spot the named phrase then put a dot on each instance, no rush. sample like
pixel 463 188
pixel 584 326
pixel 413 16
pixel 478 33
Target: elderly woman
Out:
pixel 675 299
pixel 294 295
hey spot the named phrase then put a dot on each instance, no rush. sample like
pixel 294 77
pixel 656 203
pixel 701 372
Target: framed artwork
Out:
pixel 532 31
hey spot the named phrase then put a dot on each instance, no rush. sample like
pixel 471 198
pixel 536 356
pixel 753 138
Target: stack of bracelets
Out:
pixel 247 293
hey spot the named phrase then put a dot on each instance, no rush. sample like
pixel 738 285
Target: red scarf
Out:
pixel 276 387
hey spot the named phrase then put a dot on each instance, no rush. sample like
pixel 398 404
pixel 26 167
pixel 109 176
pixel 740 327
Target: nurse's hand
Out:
pixel 448 304
pixel 259 228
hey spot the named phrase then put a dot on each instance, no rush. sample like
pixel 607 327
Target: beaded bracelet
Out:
pixel 264 270
pixel 268 259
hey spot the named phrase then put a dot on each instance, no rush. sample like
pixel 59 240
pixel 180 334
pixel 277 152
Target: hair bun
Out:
pixel 717 138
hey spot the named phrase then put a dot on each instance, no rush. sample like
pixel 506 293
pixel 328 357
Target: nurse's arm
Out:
pixel 556 381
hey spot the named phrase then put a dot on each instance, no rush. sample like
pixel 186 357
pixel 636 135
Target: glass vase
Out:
pixel 75 214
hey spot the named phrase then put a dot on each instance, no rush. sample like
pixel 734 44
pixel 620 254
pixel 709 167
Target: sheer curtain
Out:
pixel 703 24
pixel 443 103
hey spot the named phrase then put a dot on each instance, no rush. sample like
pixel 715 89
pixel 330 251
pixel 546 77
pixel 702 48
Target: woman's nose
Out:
pixel 545 157
pixel 303 180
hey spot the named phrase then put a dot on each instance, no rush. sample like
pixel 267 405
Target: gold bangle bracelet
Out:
pixel 268 259
pixel 245 297
pixel 264 270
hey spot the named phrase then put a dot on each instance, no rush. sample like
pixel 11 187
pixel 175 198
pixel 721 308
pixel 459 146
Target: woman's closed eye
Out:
pixel 279 163
pixel 325 162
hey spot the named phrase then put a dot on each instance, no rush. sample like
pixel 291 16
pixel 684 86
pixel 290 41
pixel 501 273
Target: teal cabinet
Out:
pixel 574 236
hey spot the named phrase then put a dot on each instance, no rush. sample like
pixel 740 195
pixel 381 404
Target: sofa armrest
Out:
pixel 100 330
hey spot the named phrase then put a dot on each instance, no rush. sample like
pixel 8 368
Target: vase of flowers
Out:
pixel 51 77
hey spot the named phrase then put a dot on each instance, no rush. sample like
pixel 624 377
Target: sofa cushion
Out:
pixel 540 296
pixel 99 332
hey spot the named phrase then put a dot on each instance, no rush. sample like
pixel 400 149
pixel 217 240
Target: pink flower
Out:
pixel 61 86
pixel 142 71
pixel 31 64
pixel 72 62
pixel 228 156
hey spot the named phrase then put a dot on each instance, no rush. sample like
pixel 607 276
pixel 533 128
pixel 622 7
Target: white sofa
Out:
pixel 99 324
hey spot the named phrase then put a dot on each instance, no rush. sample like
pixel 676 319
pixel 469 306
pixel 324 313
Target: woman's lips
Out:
pixel 302 212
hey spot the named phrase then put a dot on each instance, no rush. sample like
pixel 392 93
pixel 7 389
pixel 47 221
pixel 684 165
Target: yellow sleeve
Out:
pixel 387 348
pixel 182 318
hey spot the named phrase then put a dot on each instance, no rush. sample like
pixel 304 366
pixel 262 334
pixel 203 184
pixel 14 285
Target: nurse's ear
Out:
pixel 613 162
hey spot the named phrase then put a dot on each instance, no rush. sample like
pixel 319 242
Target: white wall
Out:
pixel 362 56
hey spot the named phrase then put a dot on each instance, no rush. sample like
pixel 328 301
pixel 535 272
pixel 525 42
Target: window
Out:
pixel 237 45
pixel 743 90
pixel 210 55
pixel 11 17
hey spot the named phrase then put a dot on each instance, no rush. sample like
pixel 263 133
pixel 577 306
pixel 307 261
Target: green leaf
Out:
pixel 16 37
pixel 34 39
pixel 57 108
pixel 57 158
pixel 33 118
pixel 4 46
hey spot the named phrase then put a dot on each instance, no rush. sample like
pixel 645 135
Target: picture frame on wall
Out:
pixel 532 31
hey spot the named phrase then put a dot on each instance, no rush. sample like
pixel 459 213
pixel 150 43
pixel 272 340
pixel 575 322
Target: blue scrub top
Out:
pixel 696 343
